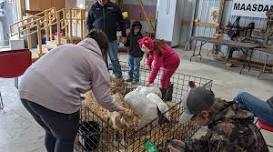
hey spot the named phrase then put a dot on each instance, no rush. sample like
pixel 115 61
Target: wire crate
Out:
pixel 95 134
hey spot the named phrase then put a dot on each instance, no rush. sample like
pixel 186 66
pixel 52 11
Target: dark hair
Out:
pixel 101 38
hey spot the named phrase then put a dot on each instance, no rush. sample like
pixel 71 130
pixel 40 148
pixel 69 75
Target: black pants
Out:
pixel 61 129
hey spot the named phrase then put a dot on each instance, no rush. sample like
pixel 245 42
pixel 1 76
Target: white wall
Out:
pixel 10 17
pixel 187 9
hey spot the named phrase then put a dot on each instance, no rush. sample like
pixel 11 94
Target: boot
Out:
pixel 163 92
pixel 168 94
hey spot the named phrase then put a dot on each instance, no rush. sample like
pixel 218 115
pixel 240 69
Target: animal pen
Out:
pixel 95 133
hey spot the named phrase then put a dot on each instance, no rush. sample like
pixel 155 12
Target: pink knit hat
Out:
pixel 147 42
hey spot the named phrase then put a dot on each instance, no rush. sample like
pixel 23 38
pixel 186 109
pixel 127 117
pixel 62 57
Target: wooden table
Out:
pixel 249 47
pixel 229 43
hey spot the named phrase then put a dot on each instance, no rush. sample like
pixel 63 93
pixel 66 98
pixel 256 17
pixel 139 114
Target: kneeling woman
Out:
pixel 160 54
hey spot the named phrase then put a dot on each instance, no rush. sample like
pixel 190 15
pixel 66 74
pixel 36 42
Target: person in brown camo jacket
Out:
pixel 230 128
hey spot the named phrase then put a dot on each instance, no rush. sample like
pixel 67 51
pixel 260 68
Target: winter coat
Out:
pixel 231 129
pixel 132 41
pixel 168 59
pixel 57 79
pixel 270 101
pixel 107 18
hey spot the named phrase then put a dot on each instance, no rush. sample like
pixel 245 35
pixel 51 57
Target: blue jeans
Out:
pixel 134 67
pixel 113 54
pixel 259 108
pixel 61 129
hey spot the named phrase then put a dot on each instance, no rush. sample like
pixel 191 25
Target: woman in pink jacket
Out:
pixel 161 55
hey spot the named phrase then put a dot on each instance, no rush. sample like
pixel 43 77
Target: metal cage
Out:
pixel 96 135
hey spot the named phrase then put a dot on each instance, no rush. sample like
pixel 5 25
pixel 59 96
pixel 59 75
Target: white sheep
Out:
pixel 186 115
pixel 121 120
pixel 147 90
pixel 162 106
pixel 146 103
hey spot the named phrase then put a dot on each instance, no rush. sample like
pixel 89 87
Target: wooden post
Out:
pixel 82 23
pixel 19 34
pixel 65 22
pixel 21 9
pixel 221 12
pixel 219 21
pixel 46 18
pixel 39 34
pixel 70 24
pixel 58 28
pixel 151 27
pixel 29 40
pixel 50 17
pixel 50 27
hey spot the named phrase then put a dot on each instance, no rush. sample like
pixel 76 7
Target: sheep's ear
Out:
pixel 207 85
pixel 192 84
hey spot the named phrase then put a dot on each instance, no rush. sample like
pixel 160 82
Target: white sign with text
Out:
pixel 251 8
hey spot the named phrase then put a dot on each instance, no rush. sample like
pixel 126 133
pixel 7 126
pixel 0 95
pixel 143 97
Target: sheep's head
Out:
pixel 123 120
pixel 129 119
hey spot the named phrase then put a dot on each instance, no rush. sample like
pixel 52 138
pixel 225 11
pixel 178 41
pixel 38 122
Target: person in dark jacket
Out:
pixel 135 52
pixel 261 109
pixel 107 16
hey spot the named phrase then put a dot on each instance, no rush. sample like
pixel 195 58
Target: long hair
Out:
pixel 100 38
pixel 158 46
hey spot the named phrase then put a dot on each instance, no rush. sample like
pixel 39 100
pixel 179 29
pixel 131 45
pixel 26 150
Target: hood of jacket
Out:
pixel 91 45
pixel 136 23
pixel 147 42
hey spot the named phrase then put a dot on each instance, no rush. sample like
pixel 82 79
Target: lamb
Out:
pixel 146 102
pixel 122 120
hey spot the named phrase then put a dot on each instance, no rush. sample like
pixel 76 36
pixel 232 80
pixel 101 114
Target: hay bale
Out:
pixel 119 86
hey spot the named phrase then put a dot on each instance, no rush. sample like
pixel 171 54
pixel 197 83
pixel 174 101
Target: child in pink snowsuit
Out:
pixel 160 55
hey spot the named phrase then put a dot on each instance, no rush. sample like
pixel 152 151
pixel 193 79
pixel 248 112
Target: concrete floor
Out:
pixel 19 132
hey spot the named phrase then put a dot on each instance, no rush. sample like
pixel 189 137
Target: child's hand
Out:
pixel 147 67
pixel 149 84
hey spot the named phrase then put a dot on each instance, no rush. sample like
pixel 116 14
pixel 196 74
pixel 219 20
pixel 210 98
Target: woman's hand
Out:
pixel 120 108
pixel 149 84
